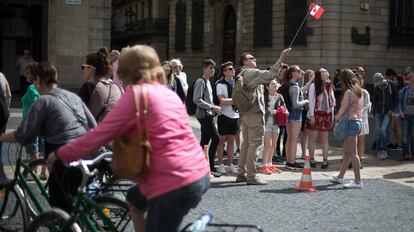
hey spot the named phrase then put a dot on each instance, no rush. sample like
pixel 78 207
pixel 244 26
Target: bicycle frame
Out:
pixel 20 181
pixel 84 205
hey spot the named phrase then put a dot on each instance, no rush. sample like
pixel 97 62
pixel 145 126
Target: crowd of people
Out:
pixel 272 108
pixel 315 103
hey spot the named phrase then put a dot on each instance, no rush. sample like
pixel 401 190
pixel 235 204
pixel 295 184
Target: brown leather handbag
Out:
pixel 132 153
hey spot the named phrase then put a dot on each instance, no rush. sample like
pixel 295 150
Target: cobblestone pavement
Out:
pixel 381 206
pixel 385 204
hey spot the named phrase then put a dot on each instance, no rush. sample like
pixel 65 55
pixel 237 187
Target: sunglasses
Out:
pixel 250 58
pixel 299 70
pixel 84 66
pixel 231 69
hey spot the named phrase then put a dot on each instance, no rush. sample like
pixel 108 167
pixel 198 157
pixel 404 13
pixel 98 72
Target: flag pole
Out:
pixel 297 32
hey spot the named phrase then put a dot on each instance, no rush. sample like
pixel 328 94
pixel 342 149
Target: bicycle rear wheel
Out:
pixel 15 215
pixel 117 212
pixel 53 221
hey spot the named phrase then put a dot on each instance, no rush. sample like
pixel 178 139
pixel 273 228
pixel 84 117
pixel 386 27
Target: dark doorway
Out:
pixel 229 34
pixel 23 26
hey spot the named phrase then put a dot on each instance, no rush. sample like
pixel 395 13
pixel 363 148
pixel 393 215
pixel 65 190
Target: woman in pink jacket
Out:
pixel 179 173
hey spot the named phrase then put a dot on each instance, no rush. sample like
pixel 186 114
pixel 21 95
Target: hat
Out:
pixel 176 63
pixel 377 78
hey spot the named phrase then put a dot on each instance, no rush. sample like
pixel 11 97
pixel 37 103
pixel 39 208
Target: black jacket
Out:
pixel 384 100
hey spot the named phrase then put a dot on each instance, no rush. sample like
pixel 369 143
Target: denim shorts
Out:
pixel 37 146
pixel 354 127
pixel 271 127
pixel 295 115
pixel 165 212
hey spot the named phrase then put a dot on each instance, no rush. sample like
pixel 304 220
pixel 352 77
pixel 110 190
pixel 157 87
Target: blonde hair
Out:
pixel 140 63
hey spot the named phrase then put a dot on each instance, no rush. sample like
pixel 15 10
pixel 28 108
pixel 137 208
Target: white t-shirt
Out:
pixel 227 110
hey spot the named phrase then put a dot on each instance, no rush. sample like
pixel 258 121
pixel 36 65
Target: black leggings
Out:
pixel 209 131
pixel 283 131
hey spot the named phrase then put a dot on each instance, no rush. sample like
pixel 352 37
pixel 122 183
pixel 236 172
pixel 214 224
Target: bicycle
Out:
pixel 101 213
pixel 204 224
pixel 20 201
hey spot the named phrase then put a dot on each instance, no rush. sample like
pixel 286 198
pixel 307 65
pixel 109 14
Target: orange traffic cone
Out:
pixel 306 180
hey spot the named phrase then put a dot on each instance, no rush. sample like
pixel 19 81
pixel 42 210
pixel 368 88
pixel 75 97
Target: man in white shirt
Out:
pixel 227 118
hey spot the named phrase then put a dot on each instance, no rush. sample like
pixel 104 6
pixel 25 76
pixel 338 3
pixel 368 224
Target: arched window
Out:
pixel 180 25
pixel 401 22
pixel 197 24
pixel 262 23
pixel 295 12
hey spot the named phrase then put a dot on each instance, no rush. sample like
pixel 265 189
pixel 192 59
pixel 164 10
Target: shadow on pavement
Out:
pixel 399 175
pixel 320 188
pixel 226 184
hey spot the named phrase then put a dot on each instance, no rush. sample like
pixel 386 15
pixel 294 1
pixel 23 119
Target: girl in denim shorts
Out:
pixel 351 104
pixel 293 74
pixel 273 101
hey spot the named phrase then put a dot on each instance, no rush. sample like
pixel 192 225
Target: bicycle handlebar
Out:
pixel 83 166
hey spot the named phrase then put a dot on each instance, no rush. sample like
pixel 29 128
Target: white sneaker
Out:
pixel 222 169
pixel 353 185
pixel 385 154
pixel 336 179
pixel 380 155
pixel 233 169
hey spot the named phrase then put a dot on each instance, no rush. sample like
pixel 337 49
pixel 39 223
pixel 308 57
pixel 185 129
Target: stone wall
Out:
pixel 329 46
pixel 74 31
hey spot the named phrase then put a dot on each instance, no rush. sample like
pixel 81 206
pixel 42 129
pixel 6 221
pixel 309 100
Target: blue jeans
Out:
pixel 166 212
pixel 407 125
pixel 37 146
pixel 382 122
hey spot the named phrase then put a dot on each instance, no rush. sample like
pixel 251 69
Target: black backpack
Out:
pixel 4 111
pixel 189 104
pixel 284 90
pixel 229 90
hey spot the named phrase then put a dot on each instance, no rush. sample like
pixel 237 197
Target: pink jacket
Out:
pixel 177 159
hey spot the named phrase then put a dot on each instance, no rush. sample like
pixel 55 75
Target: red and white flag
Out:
pixel 316 11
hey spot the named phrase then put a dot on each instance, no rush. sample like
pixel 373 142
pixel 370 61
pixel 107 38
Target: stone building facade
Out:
pixel 375 34
pixel 60 31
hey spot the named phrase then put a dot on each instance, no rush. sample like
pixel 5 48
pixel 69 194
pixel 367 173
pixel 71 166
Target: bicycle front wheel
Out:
pixel 53 221
pixel 14 216
pixel 117 211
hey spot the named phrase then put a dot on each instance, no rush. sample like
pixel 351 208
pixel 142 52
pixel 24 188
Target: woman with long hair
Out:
pixel 297 102
pixel 352 102
pixel 99 92
pixel 178 175
pixel 321 107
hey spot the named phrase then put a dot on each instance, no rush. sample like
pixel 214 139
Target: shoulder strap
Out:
pixel 349 102
pixel 144 111
pixel 80 118
pixel 105 106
